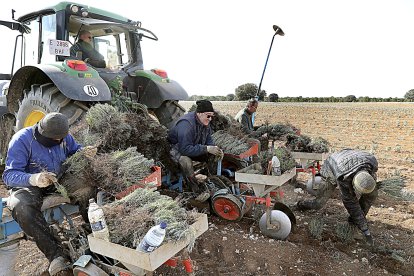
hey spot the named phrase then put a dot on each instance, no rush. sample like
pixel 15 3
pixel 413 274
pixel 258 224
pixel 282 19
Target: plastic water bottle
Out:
pixel 97 220
pixel 153 239
pixel 276 166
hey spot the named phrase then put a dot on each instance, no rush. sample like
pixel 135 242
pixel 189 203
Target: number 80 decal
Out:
pixel 91 90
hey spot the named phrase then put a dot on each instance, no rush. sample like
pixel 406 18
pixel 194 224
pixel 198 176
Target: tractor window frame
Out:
pixel 31 42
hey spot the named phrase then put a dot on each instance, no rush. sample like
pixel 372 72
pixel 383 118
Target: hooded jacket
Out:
pixel 27 156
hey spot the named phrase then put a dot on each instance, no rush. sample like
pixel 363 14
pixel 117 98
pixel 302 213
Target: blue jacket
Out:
pixel 189 136
pixel 27 156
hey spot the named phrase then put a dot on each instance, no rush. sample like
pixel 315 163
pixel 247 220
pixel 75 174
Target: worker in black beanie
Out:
pixel 191 140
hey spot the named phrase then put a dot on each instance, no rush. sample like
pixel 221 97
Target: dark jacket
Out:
pixel 189 137
pixel 245 118
pixel 88 52
pixel 27 156
pixel 339 169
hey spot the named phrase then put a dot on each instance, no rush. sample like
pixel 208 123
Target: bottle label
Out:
pixel 146 247
pixel 98 226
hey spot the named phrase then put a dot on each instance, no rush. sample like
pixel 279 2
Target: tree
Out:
pixel 230 97
pixel 273 97
pixel 350 98
pixel 248 91
pixel 410 95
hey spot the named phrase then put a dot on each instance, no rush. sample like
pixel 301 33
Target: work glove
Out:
pixel 214 150
pixel 89 151
pixel 368 238
pixel 43 179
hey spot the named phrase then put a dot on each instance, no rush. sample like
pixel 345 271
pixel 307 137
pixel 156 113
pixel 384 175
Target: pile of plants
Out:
pixel 276 132
pixel 304 143
pixel 130 218
pixel 229 143
pixel 287 162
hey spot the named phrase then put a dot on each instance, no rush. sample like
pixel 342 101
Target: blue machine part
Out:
pixel 176 185
pixel 9 227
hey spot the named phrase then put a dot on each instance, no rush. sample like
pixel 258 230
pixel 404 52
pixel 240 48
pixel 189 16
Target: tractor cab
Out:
pixel 45 77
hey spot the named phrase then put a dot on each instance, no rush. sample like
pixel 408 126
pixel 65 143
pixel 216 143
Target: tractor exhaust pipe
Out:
pixel 278 31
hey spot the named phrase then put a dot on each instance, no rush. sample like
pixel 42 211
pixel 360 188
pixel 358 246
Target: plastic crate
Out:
pixel 254 149
pixel 151 181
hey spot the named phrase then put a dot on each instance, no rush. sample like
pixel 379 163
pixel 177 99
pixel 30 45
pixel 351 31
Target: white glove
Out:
pixel 43 179
pixel 214 150
pixel 89 151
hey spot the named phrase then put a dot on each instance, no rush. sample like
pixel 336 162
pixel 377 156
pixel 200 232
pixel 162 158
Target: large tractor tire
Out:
pixel 169 112
pixel 43 99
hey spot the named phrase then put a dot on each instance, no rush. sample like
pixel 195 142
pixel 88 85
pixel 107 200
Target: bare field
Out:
pixel 385 129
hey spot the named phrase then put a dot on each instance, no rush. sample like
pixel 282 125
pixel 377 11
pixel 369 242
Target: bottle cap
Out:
pixel 163 225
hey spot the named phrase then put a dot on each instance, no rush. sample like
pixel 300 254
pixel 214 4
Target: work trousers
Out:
pixel 26 204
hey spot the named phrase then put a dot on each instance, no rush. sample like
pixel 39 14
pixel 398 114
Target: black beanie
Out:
pixel 54 126
pixel 204 106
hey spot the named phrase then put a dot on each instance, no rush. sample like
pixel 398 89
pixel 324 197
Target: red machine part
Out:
pixel 228 207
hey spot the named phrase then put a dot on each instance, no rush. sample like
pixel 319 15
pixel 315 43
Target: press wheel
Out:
pixel 279 221
pixel 228 207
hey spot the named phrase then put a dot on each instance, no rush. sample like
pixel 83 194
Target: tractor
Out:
pixel 46 78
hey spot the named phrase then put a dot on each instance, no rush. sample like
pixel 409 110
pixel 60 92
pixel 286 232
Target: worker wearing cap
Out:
pixel 355 174
pixel 190 139
pixel 34 158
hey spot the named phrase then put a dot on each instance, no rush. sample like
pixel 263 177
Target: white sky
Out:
pixel 331 47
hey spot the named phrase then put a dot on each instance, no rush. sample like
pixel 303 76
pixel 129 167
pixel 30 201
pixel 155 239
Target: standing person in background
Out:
pixel 34 159
pixel 245 116
pixel 191 140
pixel 355 173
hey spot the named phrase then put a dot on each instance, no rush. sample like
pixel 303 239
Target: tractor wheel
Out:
pixel 43 99
pixel 280 221
pixel 169 112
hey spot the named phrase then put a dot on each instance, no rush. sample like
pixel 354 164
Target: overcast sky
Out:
pixel 330 48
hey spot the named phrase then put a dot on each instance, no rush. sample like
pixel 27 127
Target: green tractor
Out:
pixel 46 78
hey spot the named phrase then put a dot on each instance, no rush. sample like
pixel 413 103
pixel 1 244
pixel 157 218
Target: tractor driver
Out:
pixel 87 52
pixel 34 158
pixel 191 139
pixel 355 174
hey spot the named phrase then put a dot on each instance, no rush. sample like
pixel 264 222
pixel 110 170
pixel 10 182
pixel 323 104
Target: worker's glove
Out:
pixel 43 179
pixel 368 238
pixel 214 150
pixel 89 151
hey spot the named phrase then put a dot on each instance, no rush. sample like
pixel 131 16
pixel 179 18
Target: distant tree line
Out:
pixel 249 90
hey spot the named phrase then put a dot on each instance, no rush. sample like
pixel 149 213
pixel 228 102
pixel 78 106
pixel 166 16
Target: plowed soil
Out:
pixel 238 248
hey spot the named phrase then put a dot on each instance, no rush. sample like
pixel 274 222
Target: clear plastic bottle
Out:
pixel 276 166
pixel 153 239
pixel 97 220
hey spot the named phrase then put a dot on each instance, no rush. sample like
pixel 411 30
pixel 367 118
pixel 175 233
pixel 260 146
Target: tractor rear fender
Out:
pixel 83 87
pixel 153 90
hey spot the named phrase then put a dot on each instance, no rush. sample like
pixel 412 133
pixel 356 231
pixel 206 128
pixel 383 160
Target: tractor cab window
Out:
pixel 107 46
pixel 48 32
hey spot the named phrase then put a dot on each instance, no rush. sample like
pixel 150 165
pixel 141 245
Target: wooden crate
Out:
pixel 146 261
